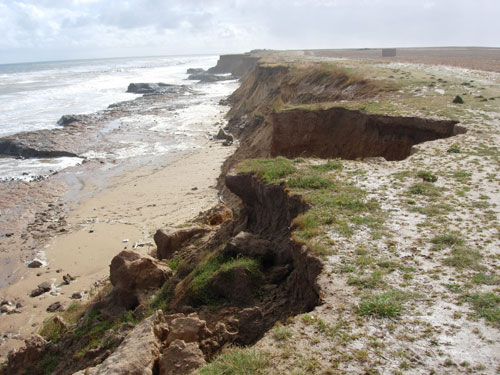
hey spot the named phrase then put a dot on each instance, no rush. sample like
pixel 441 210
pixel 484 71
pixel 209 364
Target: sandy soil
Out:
pixel 124 215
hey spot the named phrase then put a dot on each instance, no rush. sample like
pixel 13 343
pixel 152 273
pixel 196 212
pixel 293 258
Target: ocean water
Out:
pixel 34 96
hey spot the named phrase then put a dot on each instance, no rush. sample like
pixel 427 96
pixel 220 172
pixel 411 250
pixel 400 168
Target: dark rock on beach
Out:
pixel 41 289
pixel 151 88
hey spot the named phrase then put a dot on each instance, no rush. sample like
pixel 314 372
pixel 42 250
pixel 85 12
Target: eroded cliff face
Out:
pixel 339 132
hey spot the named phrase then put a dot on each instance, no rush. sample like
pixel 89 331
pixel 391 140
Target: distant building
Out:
pixel 389 52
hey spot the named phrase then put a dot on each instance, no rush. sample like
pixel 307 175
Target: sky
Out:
pixel 41 30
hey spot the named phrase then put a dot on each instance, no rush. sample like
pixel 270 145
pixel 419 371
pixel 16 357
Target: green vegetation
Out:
pixel 52 330
pixel 486 305
pixel 424 188
pixel 427 176
pixel 442 241
pixel 269 170
pixel 281 332
pixel 385 305
pixel 371 281
pixel 239 361
pixel 309 182
pixel 463 258
pixel 214 265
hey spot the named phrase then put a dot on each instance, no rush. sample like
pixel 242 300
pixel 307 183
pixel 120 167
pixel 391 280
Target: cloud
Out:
pixel 102 27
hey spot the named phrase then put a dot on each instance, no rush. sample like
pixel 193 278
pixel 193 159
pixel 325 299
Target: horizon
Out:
pixel 50 30
pixel 229 53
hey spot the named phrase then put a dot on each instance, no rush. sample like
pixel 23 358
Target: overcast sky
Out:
pixel 36 30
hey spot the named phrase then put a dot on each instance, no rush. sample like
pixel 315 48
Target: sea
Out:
pixel 33 96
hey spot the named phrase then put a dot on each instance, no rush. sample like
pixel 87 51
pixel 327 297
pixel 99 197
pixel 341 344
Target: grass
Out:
pixel 486 305
pixel 52 331
pixel 372 281
pixel 385 305
pixel 281 332
pixel 213 266
pixel 443 241
pixel 309 182
pixel 424 188
pixel 239 361
pixel 269 170
pixel 486 279
pixel 427 176
pixel 463 258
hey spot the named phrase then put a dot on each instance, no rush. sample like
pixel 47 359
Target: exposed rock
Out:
pixel 250 245
pixel 237 64
pixel 136 355
pixel 35 264
pixel 216 215
pixel 134 277
pixel 41 289
pixel 22 361
pixel 19 145
pixel 68 119
pixel 68 279
pixel 170 240
pixel 222 135
pixel 152 88
pixel 195 70
pixel 188 329
pixel 181 358
pixel 250 325
pixel 8 309
pixel 458 100
pixel 56 306
pixel 76 295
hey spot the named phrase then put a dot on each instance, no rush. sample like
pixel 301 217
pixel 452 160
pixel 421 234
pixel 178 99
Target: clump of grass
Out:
pixel 442 241
pixel 281 332
pixel 487 305
pixel 424 188
pixel 427 176
pixel 51 330
pixel 160 299
pixel 269 170
pixel 371 281
pixel 239 361
pixel 455 149
pixel 463 258
pixel 385 305
pixel 486 279
pixel 309 182
pixel 330 165
pixel 462 176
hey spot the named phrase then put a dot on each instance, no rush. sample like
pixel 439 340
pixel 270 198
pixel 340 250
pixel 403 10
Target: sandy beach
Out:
pixel 125 214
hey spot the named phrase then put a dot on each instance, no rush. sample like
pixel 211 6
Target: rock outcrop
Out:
pixel 134 278
pixel 181 359
pixel 152 88
pixel 168 241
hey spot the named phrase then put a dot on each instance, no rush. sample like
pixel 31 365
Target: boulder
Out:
pixel 187 329
pixel 195 70
pixel 136 355
pixel 68 119
pixel 181 358
pixel 458 100
pixel 152 88
pixel 134 278
pixel 170 240
pixel 250 245
pixel 222 135
pixel 41 289
pixel 35 264
pixel 56 306
pixel 68 279
pixel 76 295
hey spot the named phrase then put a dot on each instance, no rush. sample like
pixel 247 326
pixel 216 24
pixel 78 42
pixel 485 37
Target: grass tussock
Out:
pixel 486 305
pixel 446 240
pixel 239 361
pixel 384 305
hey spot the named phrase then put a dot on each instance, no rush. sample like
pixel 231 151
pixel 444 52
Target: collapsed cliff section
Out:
pixel 236 64
pixel 348 134
pixel 225 280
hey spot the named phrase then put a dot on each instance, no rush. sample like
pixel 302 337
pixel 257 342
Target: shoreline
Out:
pixel 134 205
